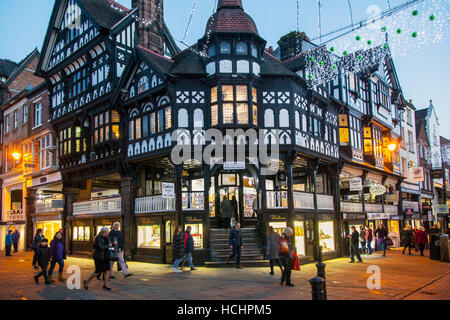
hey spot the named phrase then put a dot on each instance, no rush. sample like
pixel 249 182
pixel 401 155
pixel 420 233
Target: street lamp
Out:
pixel 16 155
pixel 392 147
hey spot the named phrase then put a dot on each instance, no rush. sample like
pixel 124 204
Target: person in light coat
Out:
pixel 273 249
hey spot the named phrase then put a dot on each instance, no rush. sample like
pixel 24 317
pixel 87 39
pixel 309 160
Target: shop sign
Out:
pixel 442 209
pixel 436 174
pixel 416 216
pixel 356 184
pixel 168 190
pixel 377 216
pixel 57 204
pixel 417 174
pixel 392 197
pixel 377 190
pixel 396 218
pixel 192 219
pixel 148 221
pixel 234 166
pixel 277 217
pixel 409 211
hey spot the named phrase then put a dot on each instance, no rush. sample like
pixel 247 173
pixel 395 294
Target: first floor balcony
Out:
pixel 15 215
pixel 154 204
pixel 49 206
pixel 110 205
pixel 302 200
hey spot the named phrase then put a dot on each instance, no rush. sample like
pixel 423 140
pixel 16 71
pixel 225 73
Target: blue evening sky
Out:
pixel 423 73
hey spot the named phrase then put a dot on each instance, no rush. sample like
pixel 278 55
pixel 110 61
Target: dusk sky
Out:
pixel 423 73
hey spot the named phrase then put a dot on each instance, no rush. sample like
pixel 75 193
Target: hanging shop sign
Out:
pixel 417 174
pixel 168 190
pixel 356 184
pixel 234 166
pixel 277 217
pixel 442 209
pixel 436 174
pixel 377 190
pixel 193 219
pixel 377 216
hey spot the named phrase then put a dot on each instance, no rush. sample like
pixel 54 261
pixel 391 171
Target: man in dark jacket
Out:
pixel 116 236
pixel 188 248
pixel 8 243
pixel 354 243
pixel 42 258
pixel 236 244
pixel 15 240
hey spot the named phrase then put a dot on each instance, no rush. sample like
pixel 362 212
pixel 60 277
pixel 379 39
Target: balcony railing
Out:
pixel 277 199
pixel 98 206
pixel 392 210
pixel 325 202
pixel 351 207
pixel 411 205
pixel 49 206
pixel 373 208
pixel 15 215
pixel 193 200
pixel 154 204
pixel 303 200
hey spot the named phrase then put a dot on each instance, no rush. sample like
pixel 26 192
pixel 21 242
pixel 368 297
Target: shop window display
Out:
pixel 278 227
pixel 149 236
pixel 197 234
pixel 326 235
pixel 49 228
pixel 299 228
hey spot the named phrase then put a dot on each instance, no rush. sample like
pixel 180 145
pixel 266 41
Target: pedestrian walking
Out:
pixel 354 244
pixel 369 239
pixel 188 241
pixel 235 242
pixel 177 249
pixel 15 240
pixel 102 247
pixel 8 243
pixel 407 239
pixel 362 239
pixel 382 234
pixel 37 239
pixel 57 255
pixel 286 256
pixel 273 249
pixel 116 236
pixel 41 258
pixel 420 239
pixel 226 210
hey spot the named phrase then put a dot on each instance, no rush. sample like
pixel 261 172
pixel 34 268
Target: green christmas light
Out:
pixel 334 66
pixel 415 13
pixel 383 29
pixel 358 38
pixel 332 49
pixel 415 34
pixel 311 59
pixel 360 57
pixel 321 63
pixel 432 17
pixel 399 30
pixel 369 42
pixel 310 76
pixel 345 53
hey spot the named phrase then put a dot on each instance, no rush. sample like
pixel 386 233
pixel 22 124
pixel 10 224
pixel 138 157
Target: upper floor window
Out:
pixel 254 51
pixel 383 96
pixel 225 48
pixel 65 141
pixel 106 126
pixel 409 116
pixel 80 83
pixel 47 152
pixel 25 114
pixel 16 118
pixel 241 48
pixel 151 122
pixel 410 142
pixel 212 50
pixel 7 123
pixel 38 114
pixel 355 132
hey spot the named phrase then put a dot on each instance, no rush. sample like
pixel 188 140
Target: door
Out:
pixel 309 237
pixel 167 233
pixel 229 192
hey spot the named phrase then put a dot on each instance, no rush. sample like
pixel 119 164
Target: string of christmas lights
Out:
pixel 319 5
pixel 351 11
pixel 191 15
pixel 145 22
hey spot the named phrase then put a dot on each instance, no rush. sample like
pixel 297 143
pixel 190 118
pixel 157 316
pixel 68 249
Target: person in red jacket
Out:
pixel 420 238
pixel 369 238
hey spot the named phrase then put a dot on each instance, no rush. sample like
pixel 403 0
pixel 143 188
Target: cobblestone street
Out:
pixel 402 277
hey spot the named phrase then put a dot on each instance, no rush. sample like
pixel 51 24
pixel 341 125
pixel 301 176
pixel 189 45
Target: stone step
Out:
pixel 247 244
pixel 232 264
pixel 226 253
pixel 246 258
pixel 226 238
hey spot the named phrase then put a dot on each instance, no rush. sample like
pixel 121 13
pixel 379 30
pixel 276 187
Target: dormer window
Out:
pixel 225 48
pixel 241 48
pixel 254 51
pixel 212 50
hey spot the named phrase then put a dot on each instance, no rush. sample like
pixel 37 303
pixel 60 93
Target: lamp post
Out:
pixel 16 155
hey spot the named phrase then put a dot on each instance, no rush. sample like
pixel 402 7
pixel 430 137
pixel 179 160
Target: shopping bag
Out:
pixel 296 263
pixel 233 222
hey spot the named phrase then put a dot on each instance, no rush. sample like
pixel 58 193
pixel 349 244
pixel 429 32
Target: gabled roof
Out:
pixel 273 67
pixel 22 64
pixel 231 18
pixel 7 67
pixel 157 61
pixel 188 62
pixel 422 113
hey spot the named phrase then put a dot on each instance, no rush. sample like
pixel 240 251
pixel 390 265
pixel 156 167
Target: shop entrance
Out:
pixel 240 189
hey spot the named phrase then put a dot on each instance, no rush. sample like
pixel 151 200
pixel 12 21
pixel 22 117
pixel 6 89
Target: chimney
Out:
pixel 150 36
pixel 271 50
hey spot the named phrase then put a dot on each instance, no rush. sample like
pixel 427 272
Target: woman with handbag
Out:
pixel 273 249
pixel 382 234
pixel 286 256
pixel 177 249
pixel 37 239
pixel 102 248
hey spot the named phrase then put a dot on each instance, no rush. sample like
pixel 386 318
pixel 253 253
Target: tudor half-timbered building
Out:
pixel 227 80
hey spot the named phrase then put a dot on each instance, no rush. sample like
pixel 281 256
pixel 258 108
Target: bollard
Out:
pixel 321 273
pixel 444 247
pixel 317 288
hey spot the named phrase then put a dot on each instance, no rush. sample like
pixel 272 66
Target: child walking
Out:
pixel 42 258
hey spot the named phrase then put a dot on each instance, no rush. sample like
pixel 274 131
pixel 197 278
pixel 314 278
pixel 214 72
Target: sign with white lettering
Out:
pixel 356 184
pixel 377 190
pixel 417 174
pixel 234 166
pixel 168 190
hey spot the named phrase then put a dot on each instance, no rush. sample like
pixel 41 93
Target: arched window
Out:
pixel 143 84
pixel 225 48
pixel 284 118
pixel 254 51
pixel 297 120
pixel 198 118
pixel 269 121
pixel 183 118
pixel 304 123
pixel 241 48
pixel 212 50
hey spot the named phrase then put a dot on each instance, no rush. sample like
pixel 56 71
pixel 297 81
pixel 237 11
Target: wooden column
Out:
pixel 314 164
pixel 127 193
pixel 70 196
pixel 178 192
pixel 207 186
pixel 30 200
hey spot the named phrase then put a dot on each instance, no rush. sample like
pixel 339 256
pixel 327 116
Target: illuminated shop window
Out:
pixel 326 235
pixel 197 234
pixel 149 236
pixel 299 229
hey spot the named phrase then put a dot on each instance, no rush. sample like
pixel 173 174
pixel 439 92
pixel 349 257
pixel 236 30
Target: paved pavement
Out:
pixel 402 277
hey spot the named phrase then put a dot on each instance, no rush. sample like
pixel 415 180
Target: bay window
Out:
pixel 106 126
pixel 47 152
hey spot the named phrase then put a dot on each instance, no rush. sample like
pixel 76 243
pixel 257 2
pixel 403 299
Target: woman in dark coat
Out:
pixel 37 239
pixel 287 259
pixel 382 234
pixel 177 249
pixel 273 249
pixel 57 254
pixel 407 239
pixel 102 246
